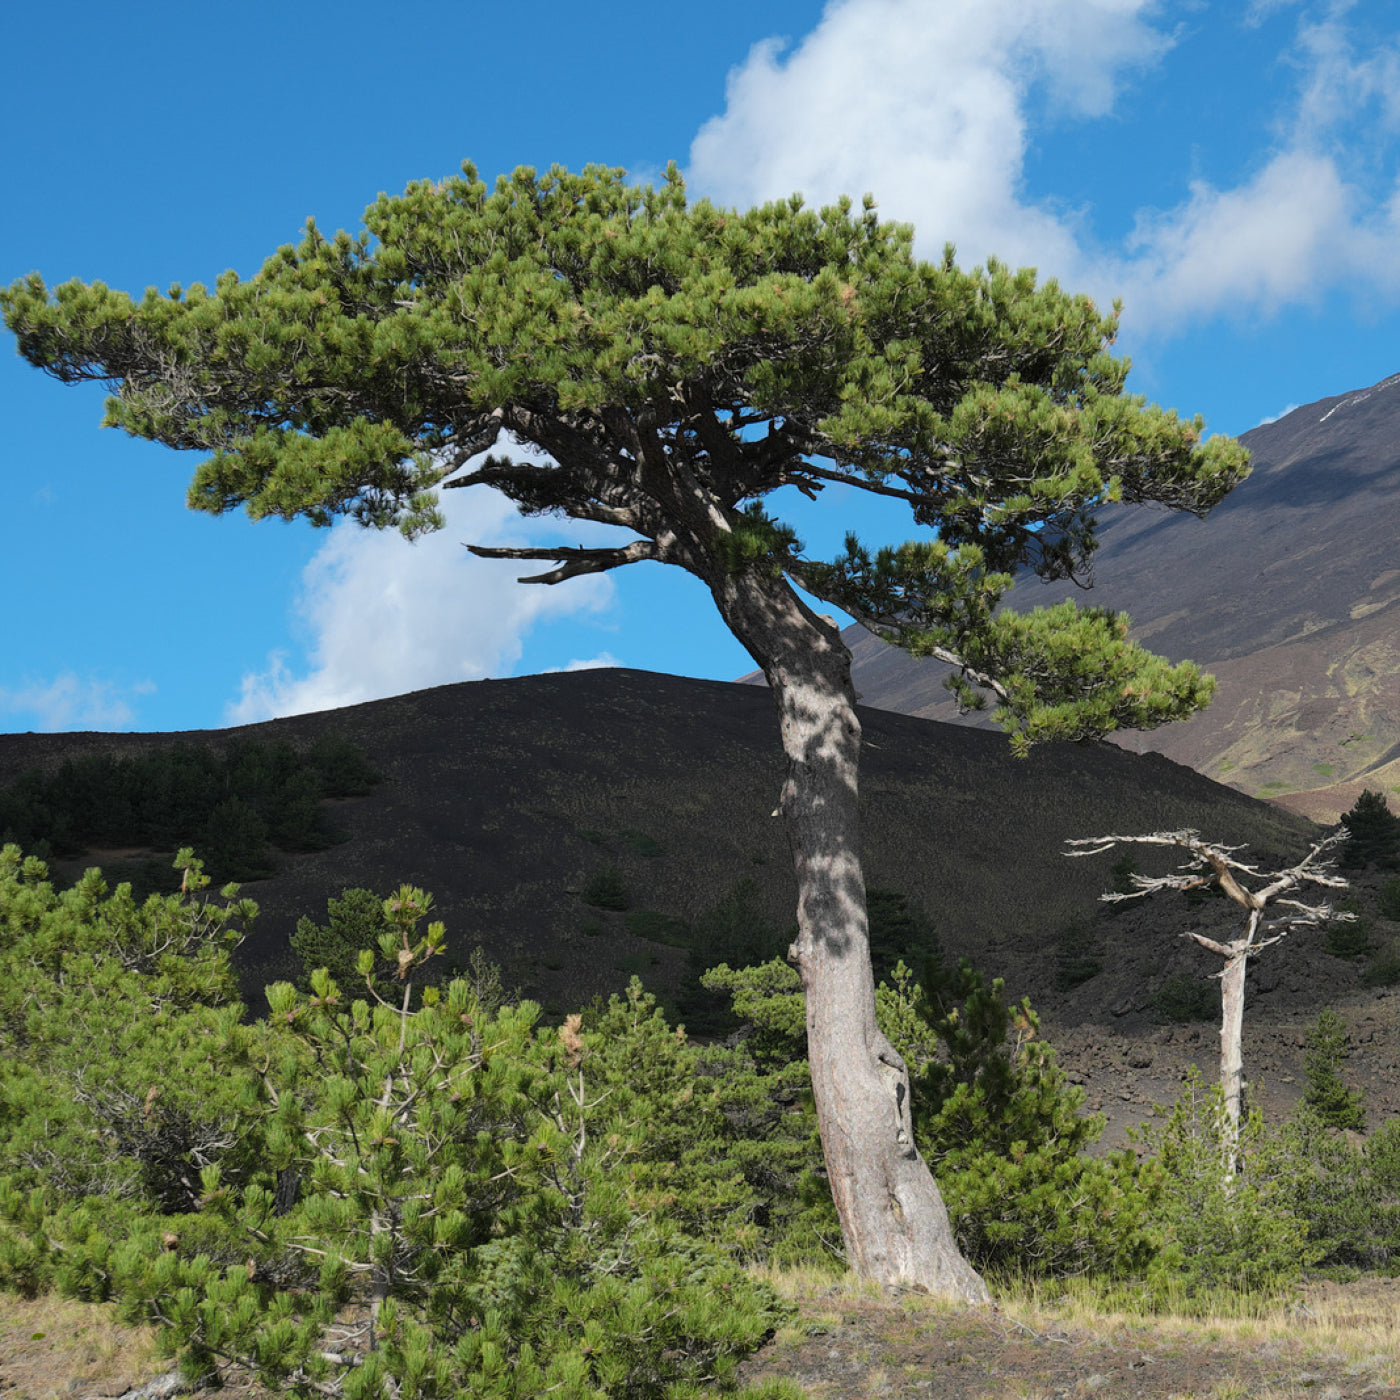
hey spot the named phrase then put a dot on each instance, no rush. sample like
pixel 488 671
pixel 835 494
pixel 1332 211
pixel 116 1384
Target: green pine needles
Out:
pixel 679 362
pixel 1327 1095
pixel 402 1186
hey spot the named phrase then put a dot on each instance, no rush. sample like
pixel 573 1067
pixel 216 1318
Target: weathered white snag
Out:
pixel 1211 864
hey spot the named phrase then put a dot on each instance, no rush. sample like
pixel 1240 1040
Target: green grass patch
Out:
pixel 640 842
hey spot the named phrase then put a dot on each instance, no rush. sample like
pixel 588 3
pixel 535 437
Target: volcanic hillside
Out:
pixel 508 800
pixel 504 799
pixel 1289 593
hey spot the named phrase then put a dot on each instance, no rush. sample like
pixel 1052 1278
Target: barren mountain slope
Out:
pixel 1289 593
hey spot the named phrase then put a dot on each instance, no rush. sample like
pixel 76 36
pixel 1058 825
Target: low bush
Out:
pixel 1349 937
pixel 1388 900
pixel 524 1210
pixel 607 890
pixel 1078 955
pixel 1220 1232
pixel 1326 1096
pixel 1384 969
pixel 1007 1136
pixel 1183 999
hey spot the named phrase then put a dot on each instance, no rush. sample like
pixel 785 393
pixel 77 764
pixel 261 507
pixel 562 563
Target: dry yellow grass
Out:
pixel 53 1347
pixel 851 1340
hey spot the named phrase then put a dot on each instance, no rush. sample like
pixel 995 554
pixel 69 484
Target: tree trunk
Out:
pixel 1232 1038
pixel 893 1220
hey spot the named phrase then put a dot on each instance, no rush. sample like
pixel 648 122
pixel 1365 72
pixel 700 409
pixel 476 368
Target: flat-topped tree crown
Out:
pixel 679 364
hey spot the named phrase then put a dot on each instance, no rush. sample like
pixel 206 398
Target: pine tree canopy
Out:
pixel 679 363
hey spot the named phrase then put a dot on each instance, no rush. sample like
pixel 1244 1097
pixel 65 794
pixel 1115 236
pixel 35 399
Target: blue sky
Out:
pixel 1231 170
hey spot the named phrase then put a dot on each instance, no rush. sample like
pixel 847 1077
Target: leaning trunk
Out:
pixel 893 1221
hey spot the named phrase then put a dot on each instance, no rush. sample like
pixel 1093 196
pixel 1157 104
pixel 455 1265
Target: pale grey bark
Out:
pixel 1210 864
pixel 893 1221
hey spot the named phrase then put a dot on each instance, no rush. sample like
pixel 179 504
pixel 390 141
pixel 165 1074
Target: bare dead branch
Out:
pixel 1213 864
pixel 572 560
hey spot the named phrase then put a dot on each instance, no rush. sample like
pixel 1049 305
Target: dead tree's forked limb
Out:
pixel 1211 864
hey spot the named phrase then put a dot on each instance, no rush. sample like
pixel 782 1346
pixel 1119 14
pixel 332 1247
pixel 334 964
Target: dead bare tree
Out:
pixel 1210 864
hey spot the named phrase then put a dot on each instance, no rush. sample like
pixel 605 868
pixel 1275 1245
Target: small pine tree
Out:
pixel 1005 1133
pixel 1326 1095
pixel 1373 834
pixel 607 890
pixel 1221 1233
pixel 1078 955
pixel 1388 899
pixel 354 922
pixel 1351 936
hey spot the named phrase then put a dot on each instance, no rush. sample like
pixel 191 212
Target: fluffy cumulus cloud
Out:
pixel 72 702
pixel 936 106
pixel 385 617
pixel 926 104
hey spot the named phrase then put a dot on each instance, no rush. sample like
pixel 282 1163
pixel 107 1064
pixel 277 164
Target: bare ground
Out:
pixel 1336 1341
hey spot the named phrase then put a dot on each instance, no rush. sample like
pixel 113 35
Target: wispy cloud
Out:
pixel 602 662
pixel 72 702
pixel 385 617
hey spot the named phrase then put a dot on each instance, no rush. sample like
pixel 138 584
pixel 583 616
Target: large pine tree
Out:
pixel 680 363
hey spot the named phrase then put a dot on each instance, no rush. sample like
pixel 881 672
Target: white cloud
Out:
pixel 1255 248
pixel 69 702
pixel 604 661
pixel 387 617
pixel 1338 84
pixel 926 105
pixel 934 107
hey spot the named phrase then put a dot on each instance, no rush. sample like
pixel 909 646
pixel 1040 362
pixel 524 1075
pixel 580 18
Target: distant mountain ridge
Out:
pixel 1289 593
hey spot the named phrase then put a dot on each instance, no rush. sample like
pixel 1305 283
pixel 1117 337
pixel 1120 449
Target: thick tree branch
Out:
pixel 882 626
pixel 573 561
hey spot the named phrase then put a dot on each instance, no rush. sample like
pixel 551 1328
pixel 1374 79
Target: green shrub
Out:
pixel 1384 970
pixel 900 931
pixel 735 932
pixel 1220 1232
pixel 1388 900
pixel 1373 834
pixel 1122 871
pixel 530 1208
pixel 1182 999
pixel 1349 937
pixel 659 928
pixel 1078 955
pixel 1006 1136
pixel 607 890
pixel 355 922
pixel 1385 966
pixel 1349 1194
pixel 640 842
pixel 1328 1098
